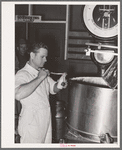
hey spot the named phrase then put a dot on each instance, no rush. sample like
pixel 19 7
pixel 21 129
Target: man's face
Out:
pixel 22 49
pixel 39 58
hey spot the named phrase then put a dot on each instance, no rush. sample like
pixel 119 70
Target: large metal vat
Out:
pixel 92 108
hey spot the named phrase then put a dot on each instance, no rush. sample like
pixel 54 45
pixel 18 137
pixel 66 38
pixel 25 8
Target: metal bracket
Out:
pixel 89 50
pixel 106 138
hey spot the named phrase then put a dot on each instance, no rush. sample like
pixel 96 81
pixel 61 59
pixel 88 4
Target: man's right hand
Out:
pixel 43 73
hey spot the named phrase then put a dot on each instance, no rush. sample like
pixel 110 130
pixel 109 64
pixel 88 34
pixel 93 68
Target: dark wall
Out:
pixel 78 35
pixel 53 34
pixel 50 12
pixel 21 9
pixel 76 18
pixel 20 31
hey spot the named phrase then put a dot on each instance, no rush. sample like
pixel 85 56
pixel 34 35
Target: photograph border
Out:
pixel 7 77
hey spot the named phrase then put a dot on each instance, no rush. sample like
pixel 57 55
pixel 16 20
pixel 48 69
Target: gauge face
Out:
pixel 101 20
pixel 103 58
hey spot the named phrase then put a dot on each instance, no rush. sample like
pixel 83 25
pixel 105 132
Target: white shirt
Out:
pixel 40 97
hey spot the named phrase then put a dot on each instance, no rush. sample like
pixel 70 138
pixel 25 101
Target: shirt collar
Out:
pixel 30 69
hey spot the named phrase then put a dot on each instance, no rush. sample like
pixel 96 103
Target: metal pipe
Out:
pixel 101 45
pixel 66 32
pixel 54 73
pixel 99 51
pixel 30 10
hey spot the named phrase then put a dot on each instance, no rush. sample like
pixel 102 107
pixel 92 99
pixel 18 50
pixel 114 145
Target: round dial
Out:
pixel 101 20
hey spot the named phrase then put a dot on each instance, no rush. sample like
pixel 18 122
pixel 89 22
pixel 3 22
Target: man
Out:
pixel 21 57
pixel 32 87
pixel 22 53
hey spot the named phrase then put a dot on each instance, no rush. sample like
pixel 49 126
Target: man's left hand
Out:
pixel 62 82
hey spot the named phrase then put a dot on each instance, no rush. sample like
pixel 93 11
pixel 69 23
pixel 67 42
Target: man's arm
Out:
pixel 55 89
pixel 27 89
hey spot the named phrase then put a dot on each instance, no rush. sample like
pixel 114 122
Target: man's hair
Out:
pixel 36 46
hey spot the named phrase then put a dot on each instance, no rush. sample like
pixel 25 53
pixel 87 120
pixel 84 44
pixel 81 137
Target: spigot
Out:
pixel 99 45
pixel 88 51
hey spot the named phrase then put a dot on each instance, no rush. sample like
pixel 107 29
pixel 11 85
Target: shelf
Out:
pixel 44 22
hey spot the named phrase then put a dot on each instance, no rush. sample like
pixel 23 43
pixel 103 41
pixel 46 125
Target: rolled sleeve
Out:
pixel 51 84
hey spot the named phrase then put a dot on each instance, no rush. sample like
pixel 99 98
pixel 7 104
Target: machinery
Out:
pixel 92 106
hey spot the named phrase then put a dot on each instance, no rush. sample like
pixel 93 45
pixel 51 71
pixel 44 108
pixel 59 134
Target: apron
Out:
pixel 35 125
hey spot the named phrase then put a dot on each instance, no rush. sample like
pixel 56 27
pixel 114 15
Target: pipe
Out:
pixel 30 10
pixel 99 51
pixel 101 45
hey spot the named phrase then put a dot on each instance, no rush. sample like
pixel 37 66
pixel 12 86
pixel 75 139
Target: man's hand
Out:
pixel 62 82
pixel 43 73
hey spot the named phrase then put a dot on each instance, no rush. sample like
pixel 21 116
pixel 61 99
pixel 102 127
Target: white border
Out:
pixel 7 101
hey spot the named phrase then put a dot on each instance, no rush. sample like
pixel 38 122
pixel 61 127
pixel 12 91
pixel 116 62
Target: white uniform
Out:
pixel 35 117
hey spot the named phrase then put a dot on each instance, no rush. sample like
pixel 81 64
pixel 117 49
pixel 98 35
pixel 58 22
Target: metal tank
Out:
pixel 92 108
pixel 58 120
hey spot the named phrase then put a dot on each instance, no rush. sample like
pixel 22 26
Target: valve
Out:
pixel 106 138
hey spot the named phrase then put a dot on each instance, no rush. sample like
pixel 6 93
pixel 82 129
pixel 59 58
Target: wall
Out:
pixel 53 34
